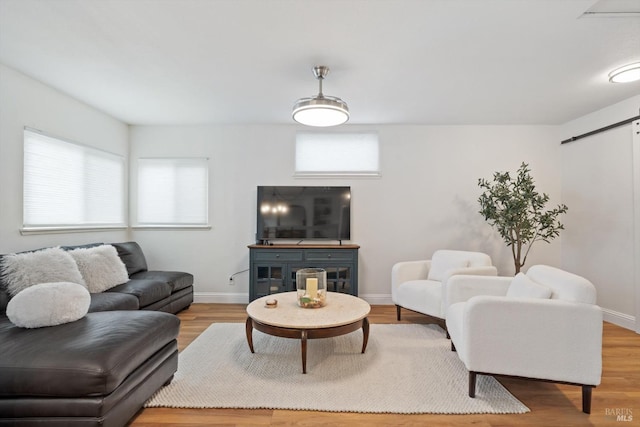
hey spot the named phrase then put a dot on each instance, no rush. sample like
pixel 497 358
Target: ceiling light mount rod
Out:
pixel 320 71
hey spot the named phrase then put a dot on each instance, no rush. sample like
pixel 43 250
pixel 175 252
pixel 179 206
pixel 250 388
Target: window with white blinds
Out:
pixel 68 185
pixel 173 192
pixel 336 154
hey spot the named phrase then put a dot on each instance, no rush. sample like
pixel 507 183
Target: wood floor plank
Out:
pixel 550 404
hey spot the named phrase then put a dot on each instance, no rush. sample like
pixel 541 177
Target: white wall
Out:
pixel 26 102
pixel 425 199
pixel 597 185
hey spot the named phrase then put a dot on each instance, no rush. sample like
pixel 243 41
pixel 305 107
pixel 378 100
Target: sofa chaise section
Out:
pixel 97 371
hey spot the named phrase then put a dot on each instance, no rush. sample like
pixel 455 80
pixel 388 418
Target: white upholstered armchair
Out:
pixel 421 285
pixel 543 325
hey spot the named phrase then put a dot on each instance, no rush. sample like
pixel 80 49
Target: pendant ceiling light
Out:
pixel 320 110
pixel 628 73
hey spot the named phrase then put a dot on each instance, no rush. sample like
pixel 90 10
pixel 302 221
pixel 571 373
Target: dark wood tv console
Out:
pixel 272 268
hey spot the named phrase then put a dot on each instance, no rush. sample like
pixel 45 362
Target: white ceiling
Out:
pixel 434 62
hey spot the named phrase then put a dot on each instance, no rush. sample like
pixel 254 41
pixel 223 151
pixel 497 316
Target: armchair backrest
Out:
pixel 564 285
pixel 444 260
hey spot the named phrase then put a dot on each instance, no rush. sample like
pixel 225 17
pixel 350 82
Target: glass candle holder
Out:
pixel 311 284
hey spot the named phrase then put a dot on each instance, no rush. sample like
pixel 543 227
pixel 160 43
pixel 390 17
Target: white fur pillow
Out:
pixel 30 268
pixel 49 304
pixel 523 287
pixel 101 267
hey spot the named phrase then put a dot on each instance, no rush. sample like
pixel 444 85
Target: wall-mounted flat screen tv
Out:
pixel 303 213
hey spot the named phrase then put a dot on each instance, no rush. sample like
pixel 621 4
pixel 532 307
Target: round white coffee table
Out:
pixel 341 315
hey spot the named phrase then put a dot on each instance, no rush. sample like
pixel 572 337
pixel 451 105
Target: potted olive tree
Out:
pixel 516 210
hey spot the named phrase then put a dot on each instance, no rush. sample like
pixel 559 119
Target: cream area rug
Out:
pixel 406 369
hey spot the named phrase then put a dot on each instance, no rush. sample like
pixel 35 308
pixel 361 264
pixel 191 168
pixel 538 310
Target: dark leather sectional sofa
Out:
pixel 99 370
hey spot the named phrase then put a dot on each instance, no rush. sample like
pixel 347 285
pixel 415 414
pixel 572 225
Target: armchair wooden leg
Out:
pixel 586 398
pixel 398 312
pixel 472 384
pixel 453 346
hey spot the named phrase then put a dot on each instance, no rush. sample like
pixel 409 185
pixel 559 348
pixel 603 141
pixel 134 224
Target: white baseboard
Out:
pixel 623 320
pixel 220 298
pixel 377 299
pixel 242 298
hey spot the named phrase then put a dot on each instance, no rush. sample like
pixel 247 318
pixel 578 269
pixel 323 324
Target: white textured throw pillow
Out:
pixel 523 287
pixel 30 268
pixel 442 262
pixel 101 267
pixel 49 304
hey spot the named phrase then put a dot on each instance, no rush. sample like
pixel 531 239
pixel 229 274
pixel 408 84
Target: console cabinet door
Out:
pixel 340 279
pixel 269 279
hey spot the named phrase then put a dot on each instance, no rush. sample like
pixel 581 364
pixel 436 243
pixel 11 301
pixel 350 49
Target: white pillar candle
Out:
pixel 312 287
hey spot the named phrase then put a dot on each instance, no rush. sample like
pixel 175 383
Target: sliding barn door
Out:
pixel 600 241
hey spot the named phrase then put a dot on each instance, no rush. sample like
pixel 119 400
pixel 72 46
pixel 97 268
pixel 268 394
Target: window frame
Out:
pixel 171 225
pixel 363 173
pixel 86 225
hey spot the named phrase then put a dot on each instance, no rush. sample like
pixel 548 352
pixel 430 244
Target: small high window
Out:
pixel 337 154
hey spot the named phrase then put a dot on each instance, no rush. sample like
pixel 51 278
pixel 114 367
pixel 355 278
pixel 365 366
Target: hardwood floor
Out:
pixel 550 404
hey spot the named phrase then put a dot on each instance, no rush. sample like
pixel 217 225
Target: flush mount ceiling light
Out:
pixel 320 110
pixel 627 73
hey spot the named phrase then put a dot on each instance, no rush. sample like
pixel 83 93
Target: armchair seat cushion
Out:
pixel 422 296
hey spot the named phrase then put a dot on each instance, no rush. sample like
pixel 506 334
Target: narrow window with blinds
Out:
pixel 173 192
pixel 71 186
pixel 337 154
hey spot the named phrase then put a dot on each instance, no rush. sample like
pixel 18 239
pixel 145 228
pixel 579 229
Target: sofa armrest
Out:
pixel 535 338
pixel 460 288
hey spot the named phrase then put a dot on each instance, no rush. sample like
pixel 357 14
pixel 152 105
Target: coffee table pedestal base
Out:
pixel 305 334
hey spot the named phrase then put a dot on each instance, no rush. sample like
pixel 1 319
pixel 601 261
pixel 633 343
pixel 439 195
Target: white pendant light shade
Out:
pixel 628 73
pixel 320 110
